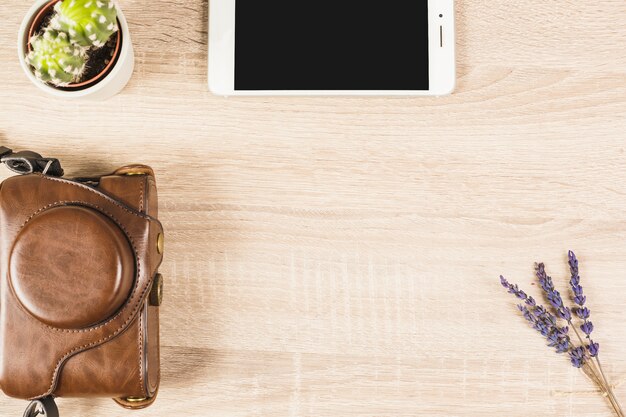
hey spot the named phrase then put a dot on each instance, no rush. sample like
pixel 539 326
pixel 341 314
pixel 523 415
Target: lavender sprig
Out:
pixel 546 323
pixel 587 327
pixel 540 319
pixel 554 297
pixel 580 299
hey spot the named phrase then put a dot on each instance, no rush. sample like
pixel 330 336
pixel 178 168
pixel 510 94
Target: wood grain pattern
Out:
pixel 339 256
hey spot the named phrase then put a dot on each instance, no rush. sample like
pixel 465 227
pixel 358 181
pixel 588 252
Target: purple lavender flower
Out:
pixel 583 313
pixel 544 280
pixel 558 339
pixel 579 298
pixel 540 319
pixel 513 289
pixel 587 327
pixel 562 344
pixel 554 297
pixel 526 313
pixel 547 323
pixel 573 266
pixel 577 356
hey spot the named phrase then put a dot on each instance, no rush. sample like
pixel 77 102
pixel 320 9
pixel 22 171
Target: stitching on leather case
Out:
pixel 141 189
pixel 132 243
pixel 140 342
pixel 155 387
pixel 91 190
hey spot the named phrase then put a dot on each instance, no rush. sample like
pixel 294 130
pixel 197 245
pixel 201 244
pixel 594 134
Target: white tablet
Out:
pixel 331 47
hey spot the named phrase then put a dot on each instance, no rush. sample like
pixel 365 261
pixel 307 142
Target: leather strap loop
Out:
pixel 28 162
pixel 45 407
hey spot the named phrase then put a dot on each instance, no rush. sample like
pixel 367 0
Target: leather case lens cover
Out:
pixel 79 288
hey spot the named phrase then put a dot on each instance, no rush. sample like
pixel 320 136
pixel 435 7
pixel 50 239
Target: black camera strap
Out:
pixel 46 407
pixel 28 162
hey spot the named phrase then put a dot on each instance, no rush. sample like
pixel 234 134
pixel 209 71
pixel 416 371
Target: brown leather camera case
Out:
pixel 79 288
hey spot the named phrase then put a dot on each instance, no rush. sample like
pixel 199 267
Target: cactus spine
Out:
pixel 55 59
pixel 87 22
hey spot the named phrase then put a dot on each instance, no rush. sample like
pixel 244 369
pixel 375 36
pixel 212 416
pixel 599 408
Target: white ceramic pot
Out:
pixel 107 87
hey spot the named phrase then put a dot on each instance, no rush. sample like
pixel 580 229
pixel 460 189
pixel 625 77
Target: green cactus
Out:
pixel 55 59
pixel 88 22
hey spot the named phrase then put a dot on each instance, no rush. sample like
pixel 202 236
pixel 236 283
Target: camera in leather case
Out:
pixel 79 287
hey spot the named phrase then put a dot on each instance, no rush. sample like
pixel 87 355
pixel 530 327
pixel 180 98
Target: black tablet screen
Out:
pixel 331 45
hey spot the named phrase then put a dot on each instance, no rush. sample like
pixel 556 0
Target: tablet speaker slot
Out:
pixel 441 36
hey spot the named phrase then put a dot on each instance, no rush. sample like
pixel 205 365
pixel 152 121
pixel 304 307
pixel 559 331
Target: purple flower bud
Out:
pixel 573 262
pixel 563 345
pixel 526 313
pixel 579 297
pixel 578 363
pixel 577 356
pixel 577 353
pixel 564 342
pixel 583 313
pixel 504 282
pixel 580 300
pixel 555 299
pixel 553 339
pixel 594 349
pixel 543 329
pixel 558 339
pixel 545 316
pixel 578 290
pixel 544 280
pixel 587 327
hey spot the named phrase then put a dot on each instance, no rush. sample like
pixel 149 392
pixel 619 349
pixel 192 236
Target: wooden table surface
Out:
pixel 340 256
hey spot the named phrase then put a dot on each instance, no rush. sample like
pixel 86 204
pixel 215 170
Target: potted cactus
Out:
pixel 76 48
